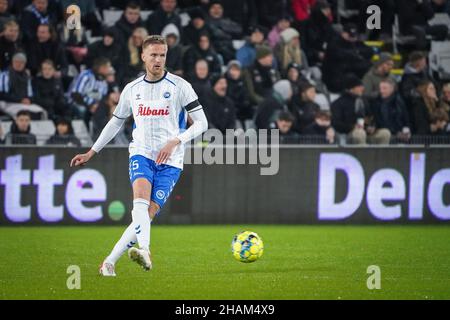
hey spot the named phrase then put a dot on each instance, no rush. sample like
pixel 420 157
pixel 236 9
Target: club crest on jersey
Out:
pixel 148 111
pixel 167 95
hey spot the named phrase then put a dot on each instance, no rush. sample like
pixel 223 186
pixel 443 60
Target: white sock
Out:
pixel 141 222
pixel 125 242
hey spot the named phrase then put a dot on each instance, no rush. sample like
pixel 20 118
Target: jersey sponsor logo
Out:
pixel 148 111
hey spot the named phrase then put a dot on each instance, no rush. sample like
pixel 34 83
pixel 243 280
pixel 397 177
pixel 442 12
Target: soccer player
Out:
pixel 160 103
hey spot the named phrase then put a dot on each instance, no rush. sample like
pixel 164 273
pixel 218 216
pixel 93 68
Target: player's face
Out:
pixel 154 57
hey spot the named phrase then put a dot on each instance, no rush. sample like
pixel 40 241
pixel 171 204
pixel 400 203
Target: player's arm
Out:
pixel 199 125
pixel 112 128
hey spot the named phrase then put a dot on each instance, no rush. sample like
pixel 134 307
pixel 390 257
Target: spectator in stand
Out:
pixel 9 43
pixel 269 12
pixel 165 14
pixel 104 113
pixel 128 22
pixel 35 14
pixel 88 89
pixel 302 9
pixel 423 107
pixel 345 55
pixel 243 12
pixel 390 112
pixel 219 109
pixel 109 47
pixel 88 14
pixel 380 71
pixel 64 134
pixel 197 26
pixel 445 98
pixel 321 127
pixel 261 76
pixel 46 47
pixel 416 71
pixel 20 132
pixel 284 124
pixel 224 31
pixel 304 108
pixel 274 35
pixel 202 50
pixel 134 66
pixel 237 92
pixel 351 115
pixel 174 60
pixel 5 14
pixel 438 123
pixel 200 80
pixel 294 75
pixel 270 108
pixel 441 6
pixel 16 90
pixel 288 50
pixel 247 53
pixel 413 19
pixel 49 92
pixel 75 41
pixel 318 32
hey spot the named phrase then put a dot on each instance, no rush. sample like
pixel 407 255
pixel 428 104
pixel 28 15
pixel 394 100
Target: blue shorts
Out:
pixel 162 177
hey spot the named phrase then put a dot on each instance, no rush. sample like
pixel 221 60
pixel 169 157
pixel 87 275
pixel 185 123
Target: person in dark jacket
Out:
pixel 246 55
pixel 46 46
pixel 237 91
pixel 272 105
pixel 423 106
pixel 219 109
pixel 351 115
pixel 284 123
pixel 261 76
pixel 174 60
pixel 64 134
pixel 202 50
pixel 49 92
pixel 345 55
pixel 165 14
pixel 318 32
pixel 321 128
pixel 413 16
pixel 197 26
pixel 9 44
pixel 130 20
pixel 200 81
pixel 109 47
pixel 20 132
pixel 390 112
pixel 35 14
pixel 304 108
pixel 5 14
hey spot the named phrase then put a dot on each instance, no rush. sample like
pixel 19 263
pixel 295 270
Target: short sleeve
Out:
pixel 123 109
pixel 189 99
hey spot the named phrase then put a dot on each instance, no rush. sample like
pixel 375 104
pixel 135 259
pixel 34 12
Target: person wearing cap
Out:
pixel 237 92
pixel 344 55
pixel 351 115
pixel 284 123
pixel 247 53
pixel 220 110
pixel 16 91
pixel 261 76
pixel 271 106
pixel 318 32
pixel 46 46
pixel 274 35
pixel 202 50
pixel 288 50
pixel 130 20
pixel 109 47
pixel 381 70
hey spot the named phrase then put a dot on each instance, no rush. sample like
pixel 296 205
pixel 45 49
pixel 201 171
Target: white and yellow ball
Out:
pixel 247 247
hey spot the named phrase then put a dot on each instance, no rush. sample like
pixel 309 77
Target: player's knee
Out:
pixel 153 210
pixel 141 189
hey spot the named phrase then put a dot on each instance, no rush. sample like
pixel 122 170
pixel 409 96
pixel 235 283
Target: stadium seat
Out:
pixel 42 129
pixel 81 132
pixel 439 57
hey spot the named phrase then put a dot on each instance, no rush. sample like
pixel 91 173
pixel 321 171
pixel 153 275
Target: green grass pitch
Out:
pixel 194 262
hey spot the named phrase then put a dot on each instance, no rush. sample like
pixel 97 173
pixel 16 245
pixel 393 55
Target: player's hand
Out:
pixel 82 159
pixel 167 151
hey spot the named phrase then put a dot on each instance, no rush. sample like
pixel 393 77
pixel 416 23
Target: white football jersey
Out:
pixel 159 109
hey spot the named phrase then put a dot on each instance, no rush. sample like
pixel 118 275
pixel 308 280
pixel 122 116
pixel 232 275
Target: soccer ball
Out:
pixel 247 247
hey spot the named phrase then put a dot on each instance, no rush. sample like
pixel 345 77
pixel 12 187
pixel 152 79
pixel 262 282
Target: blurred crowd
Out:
pixel 254 64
